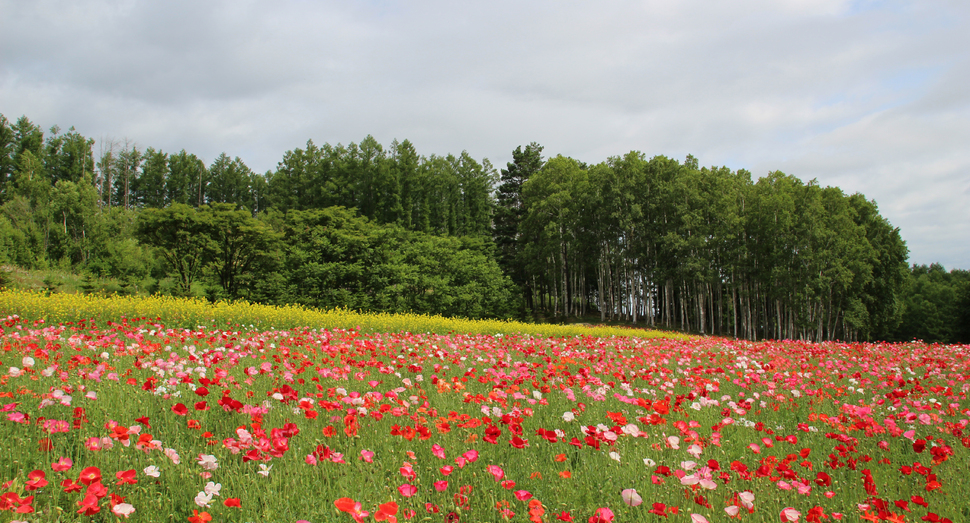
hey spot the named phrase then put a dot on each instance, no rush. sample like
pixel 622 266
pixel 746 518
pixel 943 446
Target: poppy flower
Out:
pixel 232 502
pixel 386 512
pixel 35 480
pixel 90 475
pixel 62 465
pixel 602 515
pixel 789 515
pixel 354 508
pixel 126 477
pixel 823 480
pixel 199 517
pixel 631 497
pixel 123 509
pixel 407 490
pixel 522 495
pixel 89 505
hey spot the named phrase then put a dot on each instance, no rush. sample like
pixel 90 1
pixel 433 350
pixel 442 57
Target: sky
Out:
pixel 871 96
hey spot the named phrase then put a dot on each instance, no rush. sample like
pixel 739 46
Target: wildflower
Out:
pixel 199 517
pixel 208 462
pixel 789 514
pixel 123 509
pixel 90 475
pixel 602 515
pixel 35 480
pixel 354 508
pixel 631 498
pixel 126 477
pixel 203 499
pixel 522 495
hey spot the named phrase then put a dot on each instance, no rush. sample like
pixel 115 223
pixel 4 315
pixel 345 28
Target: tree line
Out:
pixel 651 241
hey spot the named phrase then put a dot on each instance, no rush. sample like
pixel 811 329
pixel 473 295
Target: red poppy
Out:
pixel 90 475
pixel 518 442
pixel 35 480
pixel 126 477
pixel 200 517
pixel 89 505
pixel 45 445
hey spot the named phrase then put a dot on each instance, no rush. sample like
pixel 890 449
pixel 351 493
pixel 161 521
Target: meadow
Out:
pixel 159 409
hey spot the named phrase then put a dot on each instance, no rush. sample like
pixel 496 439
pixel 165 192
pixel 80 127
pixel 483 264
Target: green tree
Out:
pixel 181 235
pixel 7 163
pixel 126 168
pixel 69 156
pixel 229 181
pixel 242 247
pixel 509 212
pixel 149 189
pixel 187 176
pixel 405 163
pixel 73 208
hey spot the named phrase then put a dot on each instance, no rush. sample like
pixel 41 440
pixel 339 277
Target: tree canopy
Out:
pixel 647 240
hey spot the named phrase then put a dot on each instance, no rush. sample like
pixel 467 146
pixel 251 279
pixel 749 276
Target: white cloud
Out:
pixel 865 94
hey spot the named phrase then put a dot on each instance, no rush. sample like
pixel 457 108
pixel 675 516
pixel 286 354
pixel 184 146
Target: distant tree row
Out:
pixel 632 239
pixel 936 305
pixel 700 249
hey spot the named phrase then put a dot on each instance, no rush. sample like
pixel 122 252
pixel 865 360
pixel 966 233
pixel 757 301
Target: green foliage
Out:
pixel 179 234
pixel 335 259
pixel 936 305
pixel 243 248
pixel 630 239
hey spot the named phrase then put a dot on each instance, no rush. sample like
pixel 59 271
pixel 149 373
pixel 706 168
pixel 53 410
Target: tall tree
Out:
pixel 68 156
pixel 404 165
pixel 186 176
pixel 149 191
pixel 229 181
pixel 105 171
pixel 7 164
pixel 127 167
pixel 509 212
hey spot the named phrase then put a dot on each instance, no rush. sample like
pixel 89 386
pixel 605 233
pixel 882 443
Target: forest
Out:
pixel 633 239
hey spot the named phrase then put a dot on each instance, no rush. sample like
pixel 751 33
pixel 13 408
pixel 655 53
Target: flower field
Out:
pixel 157 420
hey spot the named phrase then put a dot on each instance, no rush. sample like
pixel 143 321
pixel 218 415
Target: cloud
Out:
pixel 865 94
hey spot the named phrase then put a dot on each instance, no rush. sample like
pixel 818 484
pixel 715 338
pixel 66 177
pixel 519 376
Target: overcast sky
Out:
pixel 871 96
